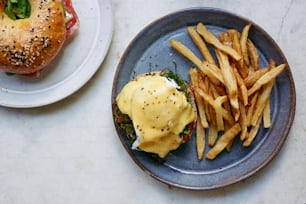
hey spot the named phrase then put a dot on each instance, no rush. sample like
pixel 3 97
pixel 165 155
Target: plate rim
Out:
pixel 277 147
pixel 65 85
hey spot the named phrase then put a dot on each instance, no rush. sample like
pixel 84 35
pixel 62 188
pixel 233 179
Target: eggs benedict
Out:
pixel 156 110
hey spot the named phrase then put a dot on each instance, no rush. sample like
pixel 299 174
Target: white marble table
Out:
pixel 68 152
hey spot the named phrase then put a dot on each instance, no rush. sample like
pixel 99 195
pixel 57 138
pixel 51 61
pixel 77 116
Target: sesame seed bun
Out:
pixel 28 45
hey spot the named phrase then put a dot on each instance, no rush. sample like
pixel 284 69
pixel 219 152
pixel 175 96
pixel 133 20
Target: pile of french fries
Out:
pixel 232 92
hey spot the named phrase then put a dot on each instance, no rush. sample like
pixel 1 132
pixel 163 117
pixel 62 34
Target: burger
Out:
pixel 156 111
pixel 32 32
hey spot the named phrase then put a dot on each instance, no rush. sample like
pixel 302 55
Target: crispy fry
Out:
pixel 211 39
pixel 226 115
pixel 262 102
pixel 219 114
pixel 194 78
pixel 230 82
pixel 253 54
pixel 267 115
pixel 250 111
pixel 212 135
pixel 221 144
pixel 226 39
pixel 235 36
pixel 242 87
pixel 200 140
pixel 211 71
pixel 243 43
pixel 266 78
pixel 233 93
pixel 252 134
pixel 243 123
pixel 254 76
pixel 199 42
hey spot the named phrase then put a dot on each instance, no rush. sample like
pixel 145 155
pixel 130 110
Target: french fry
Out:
pixel 223 141
pixel 226 39
pixel 198 41
pixel 230 82
pixel 242 87
pixel 194 78
pixel 250 111
pixel 267 115
pixel 267 110
pixel 243 123
pixel 233 93
pixel 212 135
pixel 252 134
pixel 250 80
pixel 226 115
pixel 235 36
pixel 262 102
pixel 200 140
pixel 266 78
pixel 211 71
pixel 211 39
pixel 219 115
pixel 243 43
pixel 253 54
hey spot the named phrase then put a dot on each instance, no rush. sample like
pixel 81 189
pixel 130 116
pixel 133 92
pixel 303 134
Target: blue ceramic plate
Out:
pixel 150 50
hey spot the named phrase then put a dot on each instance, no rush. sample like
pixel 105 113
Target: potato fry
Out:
pixel 212 135
pixel 243 123
pixel 200 140
pixel 262 102
pixel 252 134
pixel 194 78
pixel 232 93
pixel 211 71
pixel 226 39
pixel 198 41
pixel 226 115
pixel 211 39
pixel 254 76
pixel 267 115
pixel 219 114
pixel 243 43
pixel 250 111
pixel 235 36
pixel 242 87
pixel 221 144
pixel 266 78
pixel 230 82
pixel 253 54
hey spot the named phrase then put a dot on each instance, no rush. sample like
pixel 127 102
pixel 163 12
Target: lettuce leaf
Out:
pixel 18 9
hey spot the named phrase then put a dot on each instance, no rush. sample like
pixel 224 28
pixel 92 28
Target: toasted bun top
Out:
pixel 28 45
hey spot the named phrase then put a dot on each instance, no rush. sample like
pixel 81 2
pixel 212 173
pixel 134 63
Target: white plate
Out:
pixel 72 68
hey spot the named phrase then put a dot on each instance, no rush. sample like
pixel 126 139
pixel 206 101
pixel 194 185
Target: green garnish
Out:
pixel 18 9
pixel 9 74
pixel 125 123
pixel 64 9
pixel 180 82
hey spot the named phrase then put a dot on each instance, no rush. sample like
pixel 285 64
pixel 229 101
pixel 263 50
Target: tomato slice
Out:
pixel 73 24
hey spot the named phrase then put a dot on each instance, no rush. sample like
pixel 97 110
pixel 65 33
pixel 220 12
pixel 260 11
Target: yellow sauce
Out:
pixel 159 113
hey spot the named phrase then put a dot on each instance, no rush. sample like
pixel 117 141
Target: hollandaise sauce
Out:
pixel 159 112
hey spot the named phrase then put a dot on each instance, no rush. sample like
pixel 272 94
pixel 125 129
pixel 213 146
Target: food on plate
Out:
pixel 232 93
pixel 32 32
pixel 156 110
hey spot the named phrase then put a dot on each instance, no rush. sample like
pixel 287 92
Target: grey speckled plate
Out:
pixel 150 51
